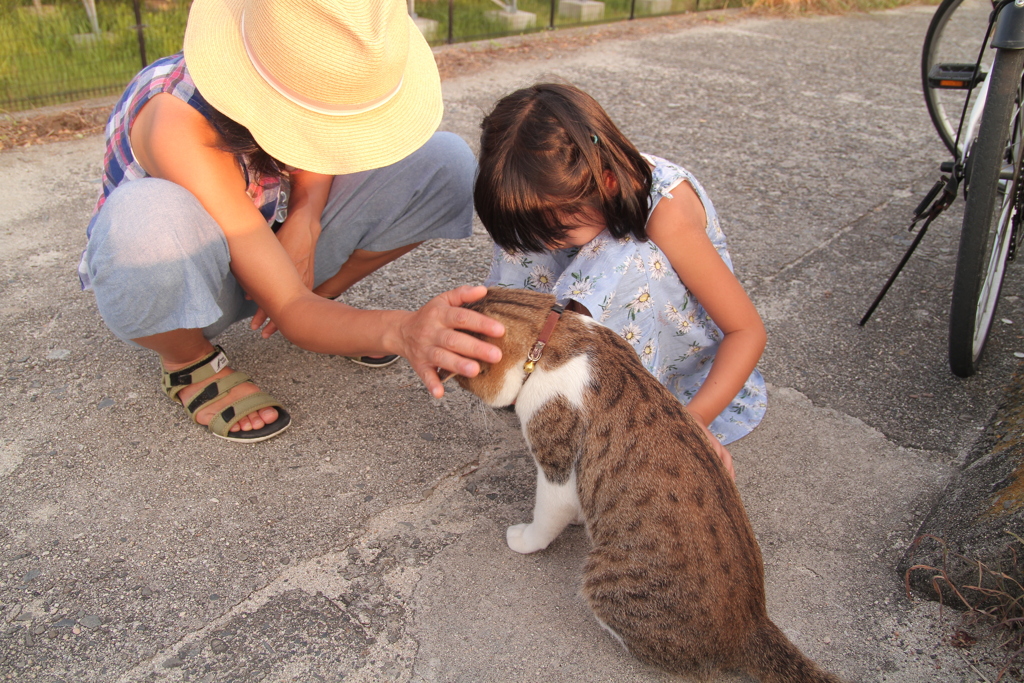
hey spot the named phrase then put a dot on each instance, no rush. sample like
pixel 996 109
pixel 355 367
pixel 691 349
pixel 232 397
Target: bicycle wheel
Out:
pixel 951 48
pixel 990 216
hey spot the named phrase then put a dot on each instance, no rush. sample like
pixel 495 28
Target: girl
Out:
pixel 317 119
pixel 631 239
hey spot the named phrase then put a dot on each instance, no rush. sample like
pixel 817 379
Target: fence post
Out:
pixel 632 10
pixel 551 22
pixel 140 32
pixel 451 21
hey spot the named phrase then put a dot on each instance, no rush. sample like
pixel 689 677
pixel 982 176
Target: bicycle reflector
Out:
pixel 955 76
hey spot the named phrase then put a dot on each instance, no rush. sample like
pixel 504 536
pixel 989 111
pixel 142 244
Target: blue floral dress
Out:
pixel 630 286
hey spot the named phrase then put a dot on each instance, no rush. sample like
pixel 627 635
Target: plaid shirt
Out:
pixel 169 75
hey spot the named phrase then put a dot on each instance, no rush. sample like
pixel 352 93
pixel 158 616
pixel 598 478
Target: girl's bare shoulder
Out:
pixel 682 212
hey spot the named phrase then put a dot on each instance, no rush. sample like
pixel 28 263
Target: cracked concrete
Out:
pixel 367 543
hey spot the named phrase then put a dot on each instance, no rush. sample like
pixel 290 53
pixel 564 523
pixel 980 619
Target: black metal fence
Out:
pixel 66 50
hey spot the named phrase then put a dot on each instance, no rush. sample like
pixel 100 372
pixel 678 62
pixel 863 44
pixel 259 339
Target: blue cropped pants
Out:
pixel 157 261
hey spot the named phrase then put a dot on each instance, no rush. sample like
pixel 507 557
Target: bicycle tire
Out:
pixel 945 107
pixel 986 232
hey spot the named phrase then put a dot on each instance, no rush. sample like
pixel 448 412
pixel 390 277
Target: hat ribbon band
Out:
pixel 312 105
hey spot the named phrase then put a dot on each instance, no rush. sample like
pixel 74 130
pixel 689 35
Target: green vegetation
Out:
pixel 49 54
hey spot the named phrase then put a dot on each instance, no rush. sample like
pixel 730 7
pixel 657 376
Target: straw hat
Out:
pixel 329 86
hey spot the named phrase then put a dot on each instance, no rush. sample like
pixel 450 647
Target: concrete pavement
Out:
pixel 367 543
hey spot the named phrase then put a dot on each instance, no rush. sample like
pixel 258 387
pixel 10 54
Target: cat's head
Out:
pixel 523 313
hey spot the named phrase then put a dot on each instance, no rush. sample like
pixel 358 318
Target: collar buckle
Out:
pixel 538 346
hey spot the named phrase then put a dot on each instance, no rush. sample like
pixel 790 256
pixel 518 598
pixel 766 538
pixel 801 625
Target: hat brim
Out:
pixel 299 137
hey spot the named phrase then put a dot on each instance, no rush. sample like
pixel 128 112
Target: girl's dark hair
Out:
pixel 544 152
pixel 236 139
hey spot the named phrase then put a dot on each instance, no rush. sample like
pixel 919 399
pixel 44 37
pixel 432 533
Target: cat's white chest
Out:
pixel 569 380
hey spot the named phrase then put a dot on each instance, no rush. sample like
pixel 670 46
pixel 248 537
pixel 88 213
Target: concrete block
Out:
pixel 514 21
pixel 581 10
pixel 653 6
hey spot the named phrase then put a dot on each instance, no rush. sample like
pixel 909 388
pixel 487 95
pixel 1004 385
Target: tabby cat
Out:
pixel 675 573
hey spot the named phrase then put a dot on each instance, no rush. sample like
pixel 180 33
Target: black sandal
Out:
pixel 374 362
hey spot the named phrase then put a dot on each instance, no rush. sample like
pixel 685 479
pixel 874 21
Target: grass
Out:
pixel 51 56
pixel 992 595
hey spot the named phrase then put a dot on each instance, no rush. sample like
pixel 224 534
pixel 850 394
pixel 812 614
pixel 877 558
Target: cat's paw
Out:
pixel 519 540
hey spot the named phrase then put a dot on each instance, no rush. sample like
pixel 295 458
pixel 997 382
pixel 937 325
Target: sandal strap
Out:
pixel 214 391
pixel 222 423
pixel 203 369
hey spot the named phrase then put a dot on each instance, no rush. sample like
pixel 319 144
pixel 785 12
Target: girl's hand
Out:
pixel 435 337
pixel 720 450
pixel 716 445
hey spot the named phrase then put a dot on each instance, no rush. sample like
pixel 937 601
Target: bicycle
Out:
pixel 973 92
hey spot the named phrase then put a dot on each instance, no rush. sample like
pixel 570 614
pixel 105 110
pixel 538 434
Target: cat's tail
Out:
pixel 770 657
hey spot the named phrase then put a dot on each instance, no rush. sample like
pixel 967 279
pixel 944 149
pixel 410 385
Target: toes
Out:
pixel 257 420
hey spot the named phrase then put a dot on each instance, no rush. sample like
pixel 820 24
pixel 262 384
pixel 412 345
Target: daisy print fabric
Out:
pixel 630 287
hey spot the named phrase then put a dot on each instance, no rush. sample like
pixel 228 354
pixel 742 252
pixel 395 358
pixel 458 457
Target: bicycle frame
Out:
pixel 977 109
pixel 1008 33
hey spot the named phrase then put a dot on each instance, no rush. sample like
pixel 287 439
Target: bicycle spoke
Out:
pixel 992 276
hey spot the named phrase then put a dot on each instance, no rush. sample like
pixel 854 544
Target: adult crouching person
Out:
pixel 288 151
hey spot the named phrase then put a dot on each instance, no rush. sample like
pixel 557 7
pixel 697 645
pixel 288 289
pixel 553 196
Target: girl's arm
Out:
pixel 171 140
pixel 678 227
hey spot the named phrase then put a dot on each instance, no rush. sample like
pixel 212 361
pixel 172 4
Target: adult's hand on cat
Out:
pixel 434 337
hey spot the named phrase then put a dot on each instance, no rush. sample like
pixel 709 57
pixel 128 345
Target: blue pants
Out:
pixel 157 261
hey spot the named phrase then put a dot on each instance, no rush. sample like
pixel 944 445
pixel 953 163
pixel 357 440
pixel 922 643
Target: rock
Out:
pixel 90 621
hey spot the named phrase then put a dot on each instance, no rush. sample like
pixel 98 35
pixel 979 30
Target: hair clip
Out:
pixel 594 138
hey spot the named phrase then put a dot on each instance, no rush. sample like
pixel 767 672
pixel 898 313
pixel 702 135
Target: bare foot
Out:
pixel 255 420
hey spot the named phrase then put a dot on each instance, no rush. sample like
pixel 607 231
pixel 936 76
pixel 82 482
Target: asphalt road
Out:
pixel 367 543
